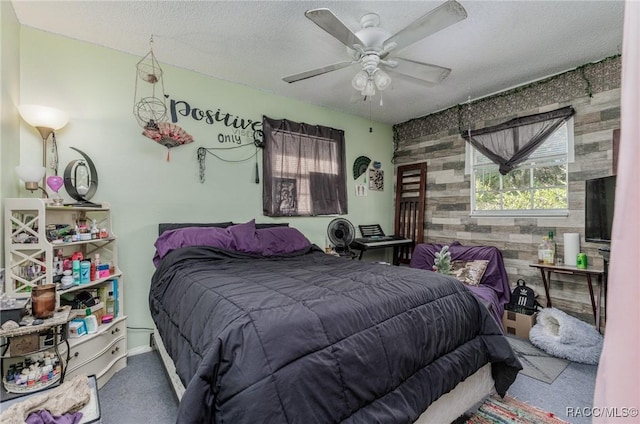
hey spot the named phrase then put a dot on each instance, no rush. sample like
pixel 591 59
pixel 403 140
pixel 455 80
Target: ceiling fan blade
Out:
pixel 315 72
pixel 422 71
pixel 437 19
pixel 329 22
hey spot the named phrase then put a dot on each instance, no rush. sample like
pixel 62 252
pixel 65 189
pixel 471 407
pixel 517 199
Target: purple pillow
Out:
pixel 192 236
pixel 244 237
pixel 279 240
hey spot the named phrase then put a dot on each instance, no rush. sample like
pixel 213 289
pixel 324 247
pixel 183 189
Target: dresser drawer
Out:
pixel 89 347
pixel 102 363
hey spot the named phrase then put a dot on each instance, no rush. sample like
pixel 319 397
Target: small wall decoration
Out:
pixel 376 179
pixel 361 189
pixel 360 166
pixel 285 196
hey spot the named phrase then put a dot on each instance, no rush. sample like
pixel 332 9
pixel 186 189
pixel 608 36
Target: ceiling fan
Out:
pixel 372 48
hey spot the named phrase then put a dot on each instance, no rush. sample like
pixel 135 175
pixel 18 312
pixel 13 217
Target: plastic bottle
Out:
pixel 110 304
pixel 542 247
pixel 76 271
pixel 85 271
pixel 96 263
pixel 553 247
pixel 91 322
pixel 95 232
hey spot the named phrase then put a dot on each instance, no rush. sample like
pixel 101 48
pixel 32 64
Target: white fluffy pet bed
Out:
pixel 564 336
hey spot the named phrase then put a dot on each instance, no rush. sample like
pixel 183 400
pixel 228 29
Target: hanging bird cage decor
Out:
pixel 149 105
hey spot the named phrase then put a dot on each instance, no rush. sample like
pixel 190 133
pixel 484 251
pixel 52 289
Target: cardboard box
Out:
pixel 23 345
pixel 517 324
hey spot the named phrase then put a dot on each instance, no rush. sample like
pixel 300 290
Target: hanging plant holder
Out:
pixel 149 100
pixel 149 69
pixel 149 105
pixel 149 111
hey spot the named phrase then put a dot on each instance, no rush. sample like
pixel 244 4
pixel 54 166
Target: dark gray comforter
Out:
pixel 312 338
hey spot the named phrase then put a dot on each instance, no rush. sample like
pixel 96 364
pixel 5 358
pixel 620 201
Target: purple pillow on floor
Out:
pixel 192 236
pixel 279 240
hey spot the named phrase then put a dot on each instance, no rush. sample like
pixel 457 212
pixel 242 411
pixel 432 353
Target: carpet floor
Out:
pixel 142 393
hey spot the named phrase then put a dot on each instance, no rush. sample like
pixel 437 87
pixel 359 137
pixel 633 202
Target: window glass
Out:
pixel 304 170
pixel 539 184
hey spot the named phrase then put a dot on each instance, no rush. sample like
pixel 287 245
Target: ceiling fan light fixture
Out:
pixel 381 79
pixel 359 81
pixel 369 89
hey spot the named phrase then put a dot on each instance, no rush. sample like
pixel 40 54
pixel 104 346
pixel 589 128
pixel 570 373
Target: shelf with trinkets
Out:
pixel 47 243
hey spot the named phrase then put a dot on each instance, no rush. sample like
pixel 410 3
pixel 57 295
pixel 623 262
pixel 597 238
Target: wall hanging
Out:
pixel 203 151
pixel 360 166
pixel 149 105
pixel 376 180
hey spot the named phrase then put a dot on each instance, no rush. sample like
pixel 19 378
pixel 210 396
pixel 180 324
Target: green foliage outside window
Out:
pixel 540 183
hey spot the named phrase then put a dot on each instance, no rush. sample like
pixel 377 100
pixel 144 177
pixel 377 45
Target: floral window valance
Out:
pixel 512 142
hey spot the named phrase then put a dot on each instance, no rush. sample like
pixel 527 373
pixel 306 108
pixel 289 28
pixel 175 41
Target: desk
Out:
pixel 385 242
pixel 546 271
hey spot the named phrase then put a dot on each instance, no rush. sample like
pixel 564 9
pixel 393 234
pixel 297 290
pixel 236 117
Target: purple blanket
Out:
pixel 494 286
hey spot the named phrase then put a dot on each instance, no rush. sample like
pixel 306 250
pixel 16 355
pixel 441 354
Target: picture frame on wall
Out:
pixel 376 179
pixel 286 196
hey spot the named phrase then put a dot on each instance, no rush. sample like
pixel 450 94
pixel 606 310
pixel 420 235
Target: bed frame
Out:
pixel 465 396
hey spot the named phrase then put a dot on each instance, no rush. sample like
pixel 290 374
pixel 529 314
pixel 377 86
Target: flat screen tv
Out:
pixel 599 200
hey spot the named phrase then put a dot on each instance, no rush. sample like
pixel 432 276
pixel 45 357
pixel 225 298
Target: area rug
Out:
pixel 537 363
pixel 496 410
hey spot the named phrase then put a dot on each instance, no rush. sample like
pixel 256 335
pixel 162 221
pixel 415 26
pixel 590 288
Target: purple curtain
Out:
pixel 512 142
pixel 304 169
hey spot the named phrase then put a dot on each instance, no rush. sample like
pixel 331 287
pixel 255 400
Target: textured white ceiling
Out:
pixel 500 45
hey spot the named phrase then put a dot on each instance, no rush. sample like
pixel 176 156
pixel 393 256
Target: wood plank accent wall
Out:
pixel 436 140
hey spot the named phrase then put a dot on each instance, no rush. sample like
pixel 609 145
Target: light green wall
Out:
pixel 95 85
pixel 9 121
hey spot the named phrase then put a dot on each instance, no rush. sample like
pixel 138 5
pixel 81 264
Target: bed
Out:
pixel 262 326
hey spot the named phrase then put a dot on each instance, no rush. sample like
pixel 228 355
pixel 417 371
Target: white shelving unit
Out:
pixel 29 261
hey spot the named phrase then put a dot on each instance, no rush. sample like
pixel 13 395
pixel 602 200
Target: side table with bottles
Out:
pixel 31 356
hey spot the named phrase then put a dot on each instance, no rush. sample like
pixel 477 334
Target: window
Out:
pixel 304 169
pixel 538 185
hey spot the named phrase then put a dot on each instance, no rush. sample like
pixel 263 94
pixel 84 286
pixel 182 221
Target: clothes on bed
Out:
pixel 311 338
pixel 494 285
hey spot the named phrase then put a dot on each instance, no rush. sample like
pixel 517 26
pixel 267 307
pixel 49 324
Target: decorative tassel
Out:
pixel 168 155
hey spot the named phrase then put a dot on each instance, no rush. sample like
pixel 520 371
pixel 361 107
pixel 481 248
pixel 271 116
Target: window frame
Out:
pixel 531 164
